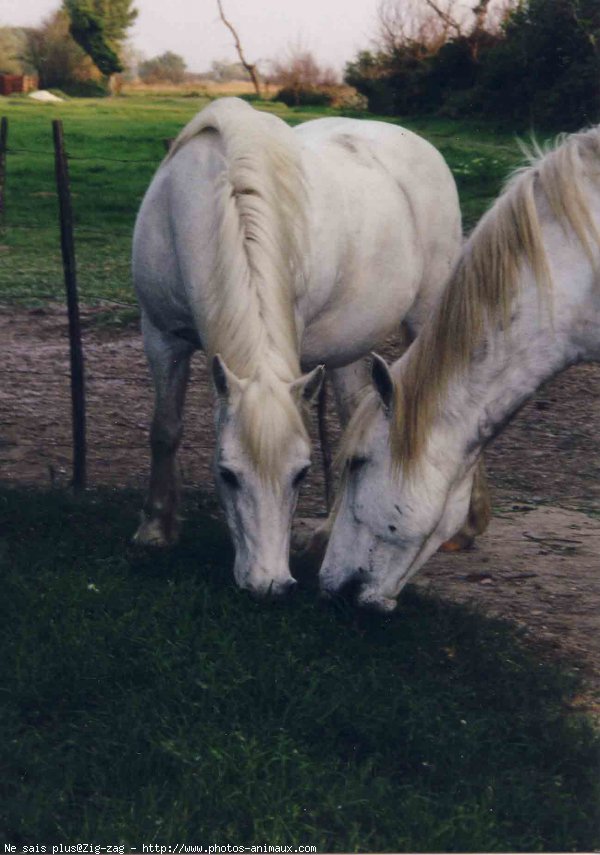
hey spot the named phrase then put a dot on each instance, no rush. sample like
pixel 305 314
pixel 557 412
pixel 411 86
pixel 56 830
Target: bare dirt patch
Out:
pixel 538 565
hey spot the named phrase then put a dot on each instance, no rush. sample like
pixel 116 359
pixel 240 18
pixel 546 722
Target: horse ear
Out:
pixel 223 378
pixel 382 380
pixel 307 387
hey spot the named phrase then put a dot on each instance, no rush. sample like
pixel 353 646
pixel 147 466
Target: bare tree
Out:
pixel 298 68
pixel 298 73
pixel 497 14
pixel 446 16
pixel 427 24
pixel 249 66
pixel 413 22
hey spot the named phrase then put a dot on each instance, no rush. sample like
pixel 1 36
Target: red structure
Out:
pixel 10 83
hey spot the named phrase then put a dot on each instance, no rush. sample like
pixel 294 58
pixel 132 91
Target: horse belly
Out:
pixel 367 270
pixel 339 337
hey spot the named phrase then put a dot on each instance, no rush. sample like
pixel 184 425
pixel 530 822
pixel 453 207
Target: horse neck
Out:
pixel 545 335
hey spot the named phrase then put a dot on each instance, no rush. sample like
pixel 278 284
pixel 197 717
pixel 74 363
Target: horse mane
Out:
pixel 260 239
pixel 480 291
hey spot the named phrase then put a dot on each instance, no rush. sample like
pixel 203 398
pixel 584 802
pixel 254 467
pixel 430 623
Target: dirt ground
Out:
pixel 538 565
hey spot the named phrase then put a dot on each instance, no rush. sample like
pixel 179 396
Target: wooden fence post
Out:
pixel 3 141
pixel 76 350
pixel 325 446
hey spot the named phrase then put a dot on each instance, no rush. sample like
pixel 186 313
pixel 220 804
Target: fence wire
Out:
pixel 84 157
pixel 82 230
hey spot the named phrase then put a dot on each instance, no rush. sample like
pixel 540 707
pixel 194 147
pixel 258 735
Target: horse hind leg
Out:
pixel 169 360
pixel 479 515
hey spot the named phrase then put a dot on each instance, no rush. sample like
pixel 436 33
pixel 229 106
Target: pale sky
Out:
pixel 334 30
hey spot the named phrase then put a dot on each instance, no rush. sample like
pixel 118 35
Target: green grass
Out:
pixel 146 699
pixel 99 134
pixel 107 193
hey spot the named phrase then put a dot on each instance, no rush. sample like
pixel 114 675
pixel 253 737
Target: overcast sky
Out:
pixel 334 30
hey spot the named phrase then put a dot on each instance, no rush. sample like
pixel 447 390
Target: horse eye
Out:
pixel 301 475
pixel 355 463
pixel 229 477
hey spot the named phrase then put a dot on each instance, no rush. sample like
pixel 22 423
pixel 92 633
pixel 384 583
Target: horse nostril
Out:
pixel 350 588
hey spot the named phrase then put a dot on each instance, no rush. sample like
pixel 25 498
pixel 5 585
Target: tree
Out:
pixel 405 23
pixel 169 66
pixel 546 70
pixel 55 56
pixel 13 41
pixel 223 71
pixel 526 62
pixel 100 28
pixel 249 66
pixel 302 79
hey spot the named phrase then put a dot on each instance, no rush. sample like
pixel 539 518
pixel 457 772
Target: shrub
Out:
pixel 86 89
pixel 304 97
pixel 547 68
pixel 540 66
pixel 303 82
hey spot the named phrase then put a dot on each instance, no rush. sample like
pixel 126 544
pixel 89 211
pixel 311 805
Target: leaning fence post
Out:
pixel 76 350
pixel 3 140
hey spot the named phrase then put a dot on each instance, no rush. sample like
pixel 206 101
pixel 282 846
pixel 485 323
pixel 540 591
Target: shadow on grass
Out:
pixel 145 698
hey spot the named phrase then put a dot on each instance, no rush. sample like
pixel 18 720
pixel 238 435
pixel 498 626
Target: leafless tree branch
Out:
pixel 450 22
pixel 249 66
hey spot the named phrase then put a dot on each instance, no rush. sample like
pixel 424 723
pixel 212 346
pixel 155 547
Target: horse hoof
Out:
pixel 457 543
pixel 376 603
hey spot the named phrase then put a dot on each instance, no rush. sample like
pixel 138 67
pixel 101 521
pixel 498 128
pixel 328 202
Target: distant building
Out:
pixel 10 83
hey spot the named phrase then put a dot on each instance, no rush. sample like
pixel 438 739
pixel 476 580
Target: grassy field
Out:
pixel 146 699
pixel 115 146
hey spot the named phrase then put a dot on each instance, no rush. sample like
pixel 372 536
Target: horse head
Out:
pixel 262 456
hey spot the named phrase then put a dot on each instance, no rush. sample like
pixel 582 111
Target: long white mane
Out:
pixel 484 283
pixel 261 241
pixel 260 236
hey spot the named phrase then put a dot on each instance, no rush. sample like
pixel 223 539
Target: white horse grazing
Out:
pixel 272 249
pixel 522 304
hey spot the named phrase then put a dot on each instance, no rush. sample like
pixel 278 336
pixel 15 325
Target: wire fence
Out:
pixel 34 445
pixel 83 157
pixel 22 427
pixel 46 222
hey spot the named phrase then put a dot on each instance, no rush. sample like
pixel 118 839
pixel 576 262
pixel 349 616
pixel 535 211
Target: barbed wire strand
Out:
pixel 38 227
pixel 85 157
pixel 49 296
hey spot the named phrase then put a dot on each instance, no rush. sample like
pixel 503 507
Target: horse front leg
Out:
pixel 349 385
pixel 169 360
pixel 479 515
